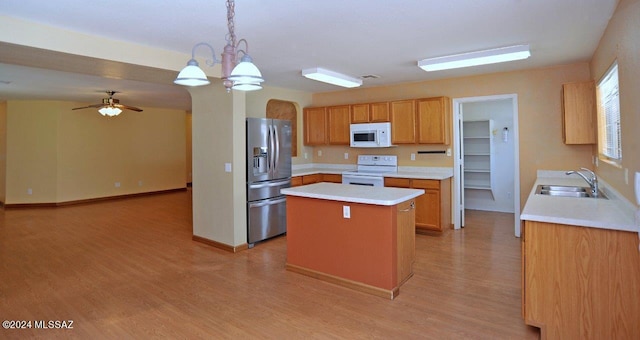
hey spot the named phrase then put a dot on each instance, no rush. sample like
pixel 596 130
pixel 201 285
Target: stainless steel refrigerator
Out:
pixel 268 171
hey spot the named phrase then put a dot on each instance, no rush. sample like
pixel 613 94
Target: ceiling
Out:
pixel 355 37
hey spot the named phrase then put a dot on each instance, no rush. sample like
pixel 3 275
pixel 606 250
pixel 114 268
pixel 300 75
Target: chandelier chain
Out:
pixel 231 36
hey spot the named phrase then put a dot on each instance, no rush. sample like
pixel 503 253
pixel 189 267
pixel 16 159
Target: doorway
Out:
pixel 491 165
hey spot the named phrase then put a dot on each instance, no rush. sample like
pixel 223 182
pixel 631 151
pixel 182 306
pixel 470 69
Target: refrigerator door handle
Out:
pixel 269 184
pixel 272 147
pixel 276 158
pixel 266 202
pixel 270 150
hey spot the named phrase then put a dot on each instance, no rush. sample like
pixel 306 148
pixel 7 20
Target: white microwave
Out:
pixel 370 135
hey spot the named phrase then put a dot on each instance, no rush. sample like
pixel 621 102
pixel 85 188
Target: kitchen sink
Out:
pixel 566 191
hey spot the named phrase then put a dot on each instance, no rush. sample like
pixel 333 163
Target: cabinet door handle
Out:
pixel 411 207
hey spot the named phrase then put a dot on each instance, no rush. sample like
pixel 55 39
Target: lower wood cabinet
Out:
pixel 315 178
pixel 580 282
pixel 433 208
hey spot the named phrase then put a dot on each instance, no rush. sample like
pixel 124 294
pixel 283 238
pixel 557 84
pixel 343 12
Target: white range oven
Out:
pixel 370 170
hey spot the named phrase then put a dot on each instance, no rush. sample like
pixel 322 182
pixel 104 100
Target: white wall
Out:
pixel 501 112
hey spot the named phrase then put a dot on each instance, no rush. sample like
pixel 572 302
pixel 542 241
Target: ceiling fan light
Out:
pixel 109 111
pixel 192 75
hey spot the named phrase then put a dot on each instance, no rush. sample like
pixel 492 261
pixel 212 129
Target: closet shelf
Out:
pixel 478 155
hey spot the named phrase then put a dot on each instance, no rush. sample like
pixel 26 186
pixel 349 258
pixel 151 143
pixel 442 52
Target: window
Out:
pixel 609 140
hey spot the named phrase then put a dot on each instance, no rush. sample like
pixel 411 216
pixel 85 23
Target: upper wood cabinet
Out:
pixel 370 112
pixel 433 117
pixel 421 121
pixel 403 121
pixel 339 121
pixel 315 126
pixel 360 113
pixel 579 113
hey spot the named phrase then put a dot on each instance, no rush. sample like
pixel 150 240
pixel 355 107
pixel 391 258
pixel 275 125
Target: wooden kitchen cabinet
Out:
pixel 310 179
pixel 579 122
pixel 315 178
pixel 403 121
pixel 580 282
pixel 433 117
pixel 339 119
pixel 315 126
pixel 332 178
pixel 433 208
pixel 296 181
pixel 370 112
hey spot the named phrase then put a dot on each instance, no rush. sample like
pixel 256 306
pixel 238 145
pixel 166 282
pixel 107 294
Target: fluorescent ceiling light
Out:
pixel 497 55
pixel 331 77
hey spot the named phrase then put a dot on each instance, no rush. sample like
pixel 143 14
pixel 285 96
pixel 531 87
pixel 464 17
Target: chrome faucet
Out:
pixel 592 180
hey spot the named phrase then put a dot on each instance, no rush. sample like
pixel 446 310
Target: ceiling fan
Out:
pixel 110 106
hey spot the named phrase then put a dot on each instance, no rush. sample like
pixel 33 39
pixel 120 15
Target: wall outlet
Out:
pixel 319 153
pixel 626 176
pixel 117 184
pixel 306 155
pixel 637 185
pixel 413 156
pixel 346 211
pixel 449 152
pixel 227 167
pixel 29 191
pixel 346 155
pixel 140 183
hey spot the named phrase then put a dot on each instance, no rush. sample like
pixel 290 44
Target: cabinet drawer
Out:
pixel 310 179
pixel 296 181
pixel 426 184
pixel 397 182
pixel 332 178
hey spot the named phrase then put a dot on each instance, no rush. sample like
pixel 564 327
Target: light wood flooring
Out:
pixel 129 269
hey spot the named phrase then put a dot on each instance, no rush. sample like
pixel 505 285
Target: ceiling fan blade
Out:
pixel 88 107
pixel 127 107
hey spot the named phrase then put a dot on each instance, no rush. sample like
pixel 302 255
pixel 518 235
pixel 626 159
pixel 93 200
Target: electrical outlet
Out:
pixel 140 183
pixel 637 187
pixel 227 167
pixel 306 155
pixel 413 156
pixel 117 184
pixel 346 211
pixel 319 153
pixel 29 191
pixel 449 152
pixel 346 155
pixel 626 176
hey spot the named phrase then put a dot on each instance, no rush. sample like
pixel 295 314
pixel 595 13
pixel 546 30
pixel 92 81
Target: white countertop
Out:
pixel 403 171
pixel 611 213
pixel 354 193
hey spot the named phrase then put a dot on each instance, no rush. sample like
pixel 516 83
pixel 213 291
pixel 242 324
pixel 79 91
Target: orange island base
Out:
pixel 355 236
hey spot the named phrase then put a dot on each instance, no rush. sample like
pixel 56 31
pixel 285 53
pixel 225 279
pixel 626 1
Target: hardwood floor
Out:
pixel 129 269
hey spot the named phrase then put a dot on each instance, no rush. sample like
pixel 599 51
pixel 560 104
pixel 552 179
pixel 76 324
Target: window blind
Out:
pixel 608 92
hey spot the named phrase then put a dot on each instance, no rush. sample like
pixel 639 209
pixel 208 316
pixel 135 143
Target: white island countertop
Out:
pixel 587 212
pixel 354 193
pixel 416 172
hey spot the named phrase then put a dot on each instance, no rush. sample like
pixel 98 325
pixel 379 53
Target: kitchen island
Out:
pixel 358 237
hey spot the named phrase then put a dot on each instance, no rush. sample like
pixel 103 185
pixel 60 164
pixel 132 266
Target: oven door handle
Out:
pixel 356 177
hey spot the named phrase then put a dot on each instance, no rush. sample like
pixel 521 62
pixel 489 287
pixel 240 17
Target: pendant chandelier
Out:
pixel 242 75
